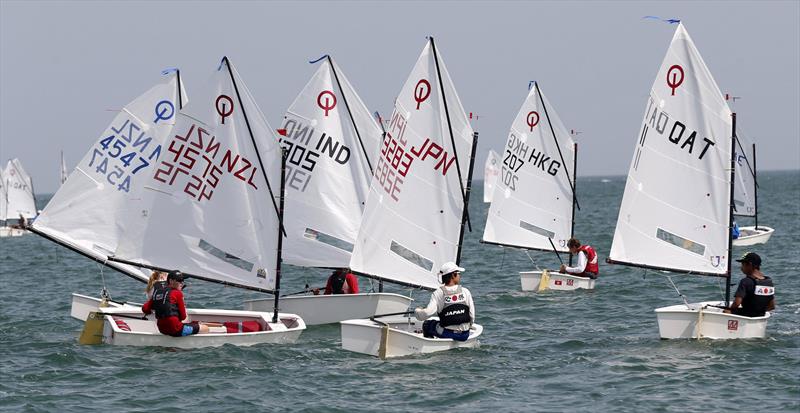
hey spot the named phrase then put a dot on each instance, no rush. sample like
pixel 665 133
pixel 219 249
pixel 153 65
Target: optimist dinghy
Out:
pixel 533 205
pixel 745 197
pixel 332 142
pixel 16 198
pixel 681 221
pixel 416 212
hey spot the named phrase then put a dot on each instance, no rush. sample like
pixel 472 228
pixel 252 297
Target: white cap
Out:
pixel 449 267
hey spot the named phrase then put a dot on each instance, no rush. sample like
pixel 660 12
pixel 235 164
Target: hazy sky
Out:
pixel 64 64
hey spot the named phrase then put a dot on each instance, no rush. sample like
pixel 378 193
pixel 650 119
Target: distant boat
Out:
pixel 533 205
pixel 416 212
pixel 681 221
pixel 491 170
pixel 745 196
pixel 604 180
pixel 18 202
pixel 333 146
pixel 63 169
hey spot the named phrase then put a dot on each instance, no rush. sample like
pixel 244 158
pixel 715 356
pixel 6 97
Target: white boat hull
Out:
pixel 326 309
pixel 11 232
pixel 701 320
pixel 404 338
pixel 752 236
pixel 561 282
pixel 124 331
pixel 83 305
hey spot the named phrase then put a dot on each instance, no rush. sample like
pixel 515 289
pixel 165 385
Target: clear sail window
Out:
pixel 412 256
pixel 224 256
pixel 328 239
pixel 536 230
pixel 679 241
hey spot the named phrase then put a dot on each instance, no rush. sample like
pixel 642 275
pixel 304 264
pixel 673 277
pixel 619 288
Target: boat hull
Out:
pixel 124 331
pixel 403 337
pixel 11 232
pixel 326 309
pixel 753 236
pixel 701 320
pixel 560 282
pixel 83 305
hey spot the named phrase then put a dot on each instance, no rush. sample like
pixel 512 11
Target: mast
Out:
pixel 464 215
pixel 574 196
pixel 284 154
pixel 349 113
pixel 755 184
pixel 464 194
pixel 730 213
pixel 180 89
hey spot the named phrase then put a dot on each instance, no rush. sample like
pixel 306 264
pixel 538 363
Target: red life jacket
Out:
pixel 591 258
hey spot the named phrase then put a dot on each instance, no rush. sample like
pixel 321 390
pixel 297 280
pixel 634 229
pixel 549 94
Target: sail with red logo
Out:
pixel 677 209
pixel 491 171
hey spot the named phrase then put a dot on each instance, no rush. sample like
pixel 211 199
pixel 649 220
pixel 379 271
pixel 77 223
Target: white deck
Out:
pixel 701 320
pixel 560 282
pixel 752 236
pixel 326 309
pixel 83 305
pixel 402 337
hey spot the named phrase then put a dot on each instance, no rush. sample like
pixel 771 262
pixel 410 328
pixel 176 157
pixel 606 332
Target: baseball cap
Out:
pixel 175 275
pixel 752 258
pixel 449 267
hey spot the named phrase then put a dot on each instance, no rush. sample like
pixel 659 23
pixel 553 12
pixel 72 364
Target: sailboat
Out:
pixel 5 230
pixel 745 196
pixel 84 215
pixel 416 212
pixel 677 210
pixel 213 209
pixel 332 142
pixel 533 206
pixel 19 200
pixel 64 174
pixel 490 172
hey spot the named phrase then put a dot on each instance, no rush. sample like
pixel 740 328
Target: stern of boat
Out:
pixel 530 281
pixel 704 320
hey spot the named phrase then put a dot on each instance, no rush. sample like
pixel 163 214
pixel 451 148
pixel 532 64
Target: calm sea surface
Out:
pixel 578 351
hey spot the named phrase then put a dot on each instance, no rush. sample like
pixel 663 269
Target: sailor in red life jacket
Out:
pixel 587 260
pixel 452 303
pixel 342 281
pixel 167 302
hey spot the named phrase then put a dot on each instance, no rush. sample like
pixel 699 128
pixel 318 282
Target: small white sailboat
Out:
pixel 213 209
pixel 533 206
pixel 745 196
pixel 19 202
pixel 491 170
pixel 332 142
pixel 63 176
pixel 677 210
pixel 416 212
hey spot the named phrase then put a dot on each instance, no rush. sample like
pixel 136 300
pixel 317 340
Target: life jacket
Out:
pixel 755 304
pixel 162 306
pixel 591 258
pixel 455 310
pixel 337 283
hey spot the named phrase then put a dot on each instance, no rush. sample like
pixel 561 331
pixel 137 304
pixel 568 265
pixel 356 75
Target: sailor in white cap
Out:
pixel 452 303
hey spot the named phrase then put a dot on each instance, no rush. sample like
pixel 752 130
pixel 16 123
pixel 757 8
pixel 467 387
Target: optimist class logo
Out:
pixel 532 119
pixel 673 81
pixel 421 91
pixel 329 102
pixel 222 107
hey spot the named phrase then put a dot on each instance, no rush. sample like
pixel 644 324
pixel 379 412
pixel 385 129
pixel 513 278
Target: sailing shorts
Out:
pixel 431 328
pixel 190 328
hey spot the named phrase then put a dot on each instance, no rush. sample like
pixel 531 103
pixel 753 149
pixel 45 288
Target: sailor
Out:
pixel 587 260
pixel 452 303
pixel 756 293
pixel 341 281
pixel 156 277
pixel 167 302
pixel 735 232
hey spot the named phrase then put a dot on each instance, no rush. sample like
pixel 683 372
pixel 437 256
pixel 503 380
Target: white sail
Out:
pixel 210 207
pixel 744 190
pixel 676 207
pixel 490 172
pixel 63 176
pixel 532 203
pixel 3 196
pixel 328 169
pixel 413 216
pixel 19 187
pixel 99 195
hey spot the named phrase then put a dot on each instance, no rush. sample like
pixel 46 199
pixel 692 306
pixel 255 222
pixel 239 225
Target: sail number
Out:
pixel 517 154
pixel 122 153
pixel 302 158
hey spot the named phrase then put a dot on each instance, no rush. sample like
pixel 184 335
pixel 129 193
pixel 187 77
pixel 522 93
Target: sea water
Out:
pixel 554 351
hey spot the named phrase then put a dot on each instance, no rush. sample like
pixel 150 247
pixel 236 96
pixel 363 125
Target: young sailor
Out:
pixel 587 260
pixel 756 293
pixel 452 303
pixel 342 281
pixel 167 302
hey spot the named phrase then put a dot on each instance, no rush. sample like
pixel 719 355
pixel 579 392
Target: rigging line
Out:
pixel 464 212
pixel 350 113
pixel 252 138
pixel 569 179
pixel 180 89
pixel 532 261
pixel 450 128
pixel 678 291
